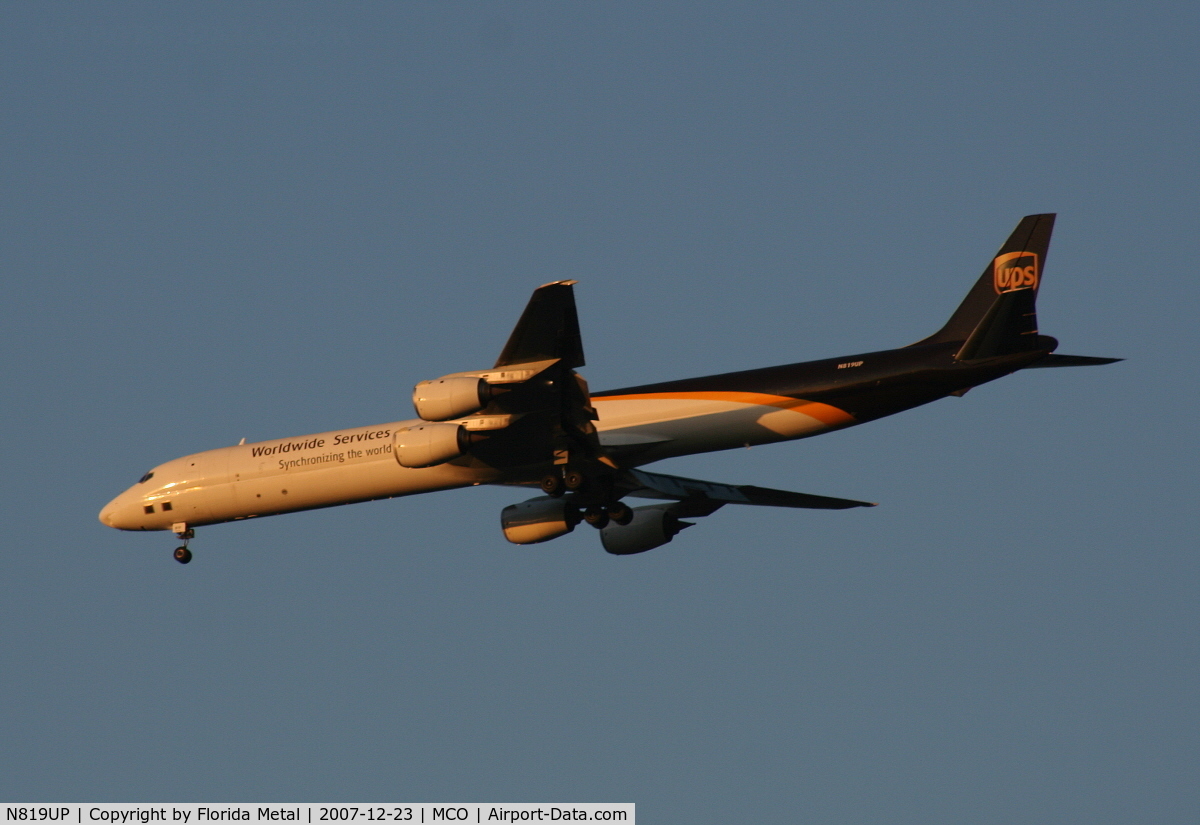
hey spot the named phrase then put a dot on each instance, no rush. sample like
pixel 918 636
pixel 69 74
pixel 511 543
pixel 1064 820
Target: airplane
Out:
pixel 531 421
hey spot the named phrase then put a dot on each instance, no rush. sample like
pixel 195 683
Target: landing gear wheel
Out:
pixel 596 516
pixel 620 513
pixel 574 480
pixel 552 485
pixel 183 555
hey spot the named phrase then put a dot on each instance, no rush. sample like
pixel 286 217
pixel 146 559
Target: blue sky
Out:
pixel 230 220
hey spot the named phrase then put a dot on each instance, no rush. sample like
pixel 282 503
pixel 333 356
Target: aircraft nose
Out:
pixel 116 514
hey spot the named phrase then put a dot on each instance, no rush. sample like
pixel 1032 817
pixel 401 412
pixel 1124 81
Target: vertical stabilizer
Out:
pixel 1017 267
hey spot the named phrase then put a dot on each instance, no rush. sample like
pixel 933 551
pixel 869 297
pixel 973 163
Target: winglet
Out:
pixel 549 328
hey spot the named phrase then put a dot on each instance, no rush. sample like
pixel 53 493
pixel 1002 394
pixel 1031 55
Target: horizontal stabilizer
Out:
pixel 657 485
pixel 1055 360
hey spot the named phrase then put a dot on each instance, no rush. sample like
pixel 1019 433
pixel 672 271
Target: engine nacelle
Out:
pixel 426 445
pixel 537 520
pixel 450 397
pixel 651 527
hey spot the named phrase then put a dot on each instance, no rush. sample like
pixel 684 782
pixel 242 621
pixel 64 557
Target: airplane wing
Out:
pixel 657 524
pixel 548 439
pixel 549 328
pixel 539 411
pixel 554 418
pixel 641 484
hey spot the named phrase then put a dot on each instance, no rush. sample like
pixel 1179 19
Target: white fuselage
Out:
pixel 353 465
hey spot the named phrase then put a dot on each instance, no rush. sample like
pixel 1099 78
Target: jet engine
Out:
pixel 425 445
pixel 651 527
pixel 450 397
pixel 538 520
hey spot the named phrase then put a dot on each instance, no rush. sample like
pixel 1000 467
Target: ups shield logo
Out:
pixel 1015 270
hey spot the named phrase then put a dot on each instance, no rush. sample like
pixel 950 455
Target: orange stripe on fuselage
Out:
pixel 824 413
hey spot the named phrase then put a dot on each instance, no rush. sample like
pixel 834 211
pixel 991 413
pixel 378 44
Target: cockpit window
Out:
pixel 146 477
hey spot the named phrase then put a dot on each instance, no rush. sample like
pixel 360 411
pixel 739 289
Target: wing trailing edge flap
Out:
pixel 699 498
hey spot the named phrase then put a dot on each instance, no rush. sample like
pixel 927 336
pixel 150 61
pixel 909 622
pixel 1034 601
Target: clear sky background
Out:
pixel 262 220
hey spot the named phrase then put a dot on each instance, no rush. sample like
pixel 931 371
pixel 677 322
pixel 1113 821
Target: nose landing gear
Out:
pixel 182 554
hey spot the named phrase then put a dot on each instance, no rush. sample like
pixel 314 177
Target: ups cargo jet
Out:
pixel 530 421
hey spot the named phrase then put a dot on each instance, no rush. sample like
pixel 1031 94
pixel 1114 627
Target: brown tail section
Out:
pixel 994 309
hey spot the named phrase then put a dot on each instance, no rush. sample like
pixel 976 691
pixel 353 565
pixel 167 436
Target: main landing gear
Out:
pixel 182 554
pixel 595 506
pixel 599 515
pixel 557 484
